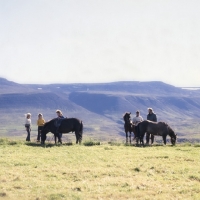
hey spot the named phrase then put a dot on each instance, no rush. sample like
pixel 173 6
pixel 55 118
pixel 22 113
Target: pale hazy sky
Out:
pixel 70 41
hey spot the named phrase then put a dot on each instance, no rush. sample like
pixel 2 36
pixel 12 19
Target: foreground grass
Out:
pixel 108 171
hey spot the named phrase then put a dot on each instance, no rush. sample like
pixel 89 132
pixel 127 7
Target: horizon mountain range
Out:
pixel 102 105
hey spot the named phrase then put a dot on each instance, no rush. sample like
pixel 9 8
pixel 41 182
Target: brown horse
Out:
pixel 156 128
pixel 128 126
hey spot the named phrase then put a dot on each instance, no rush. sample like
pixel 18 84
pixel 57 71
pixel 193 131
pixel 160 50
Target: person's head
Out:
pixel 59 113
pixel 28 115
pixel 40 116
pixel 137 113
pixel 150 110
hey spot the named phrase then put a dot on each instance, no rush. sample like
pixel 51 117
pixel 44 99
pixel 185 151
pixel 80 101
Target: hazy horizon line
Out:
pixel 55 83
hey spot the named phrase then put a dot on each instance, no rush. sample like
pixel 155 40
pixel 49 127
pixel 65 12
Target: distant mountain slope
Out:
pixel 134 87
pixel 104 103
pixel 7 87
pixel 34 100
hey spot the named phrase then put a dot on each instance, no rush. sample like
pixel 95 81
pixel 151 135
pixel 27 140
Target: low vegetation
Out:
pixel 98 171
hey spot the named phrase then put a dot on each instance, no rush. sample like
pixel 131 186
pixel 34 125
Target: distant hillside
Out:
pixel 133 87
pixel 101 105
pixel 7 87
pixel 34 100
pixel 180 106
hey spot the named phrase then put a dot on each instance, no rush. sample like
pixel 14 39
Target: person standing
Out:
pixel 28 126
pixel 40 124
pixel 60 116
pixel 136 120
pixel 151 117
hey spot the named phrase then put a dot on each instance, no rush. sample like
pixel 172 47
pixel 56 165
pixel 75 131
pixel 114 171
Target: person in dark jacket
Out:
pixel 60 116
pixel 151 117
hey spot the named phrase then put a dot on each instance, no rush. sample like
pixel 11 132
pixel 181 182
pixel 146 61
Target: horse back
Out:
pixel 70 124
pixel 157 128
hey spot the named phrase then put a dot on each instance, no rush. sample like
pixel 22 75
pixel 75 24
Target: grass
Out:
pixel 104 171
pixel 91 143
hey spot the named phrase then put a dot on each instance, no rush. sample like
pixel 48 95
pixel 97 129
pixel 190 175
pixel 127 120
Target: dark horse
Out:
pixel 128 126
pixel 66 125
pixel 156 128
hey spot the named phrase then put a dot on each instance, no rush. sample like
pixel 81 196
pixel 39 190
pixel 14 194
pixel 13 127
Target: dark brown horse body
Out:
pixel 128 126
pixel 66 125
pixel 156 128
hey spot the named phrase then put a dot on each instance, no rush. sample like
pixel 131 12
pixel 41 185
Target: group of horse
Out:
pixel 150 128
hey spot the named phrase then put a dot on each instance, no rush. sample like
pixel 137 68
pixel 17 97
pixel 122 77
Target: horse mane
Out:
pixel 124 116
pixel 168 126
pixel 126 113
pixel 50 121
pixel 164 123
pixel 171 131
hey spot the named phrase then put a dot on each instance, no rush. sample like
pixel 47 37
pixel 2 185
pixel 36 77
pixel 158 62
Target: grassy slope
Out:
pixel 98 172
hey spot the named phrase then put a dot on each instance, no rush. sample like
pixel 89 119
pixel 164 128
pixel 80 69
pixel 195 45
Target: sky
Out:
pixel 92 41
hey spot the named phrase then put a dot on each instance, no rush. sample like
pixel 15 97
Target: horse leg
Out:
pixel 126 137
pixel 147 138
pixel 60 140
pixel 152 138
pixel 164 139
pixel 130 137
pixel 137 139
pixel 77 138
pixel 55 138
pixel 80 138
pixel 142 141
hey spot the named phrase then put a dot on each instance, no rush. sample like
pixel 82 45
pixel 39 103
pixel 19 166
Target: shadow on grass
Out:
pixel 146 145
pixel 47 145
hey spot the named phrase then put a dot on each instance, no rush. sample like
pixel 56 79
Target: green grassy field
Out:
pixel 105 171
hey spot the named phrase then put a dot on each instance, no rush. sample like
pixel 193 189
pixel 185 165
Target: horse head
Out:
pixel 127 117
pixel 173 136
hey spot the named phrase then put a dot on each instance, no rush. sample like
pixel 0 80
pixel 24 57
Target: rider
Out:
pixel 60 116
pixel 136 120
pixel 151 117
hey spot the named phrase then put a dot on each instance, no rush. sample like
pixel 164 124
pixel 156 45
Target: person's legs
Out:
pixel 28 133
pixel 39 133
pixel 147 138
pixel 137 131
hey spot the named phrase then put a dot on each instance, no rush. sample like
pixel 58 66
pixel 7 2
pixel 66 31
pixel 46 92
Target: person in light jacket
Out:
pixel 136 120
pixel 28 126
